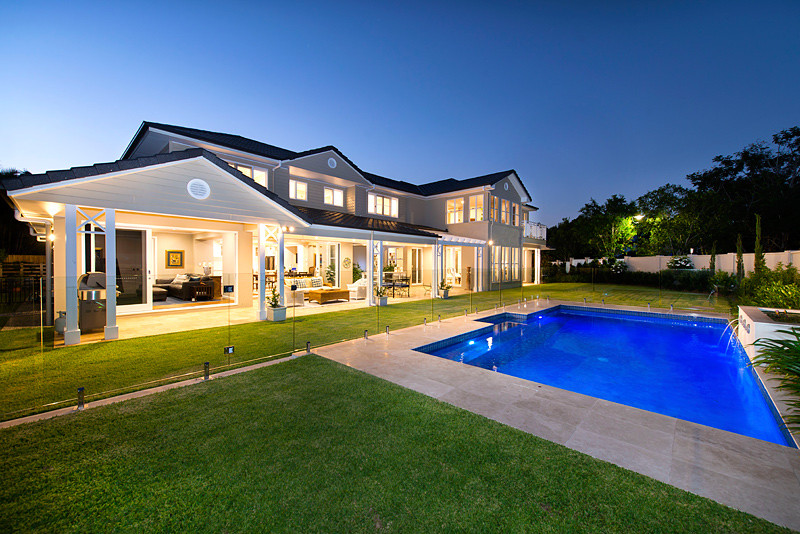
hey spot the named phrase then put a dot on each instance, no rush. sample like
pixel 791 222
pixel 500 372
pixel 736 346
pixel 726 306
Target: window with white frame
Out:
pixel 515 213
pixel 260 176
pixel 515 263
pixel 298 190
pixel 381 205
pixel 334 197
pixel 494 208
pixel 476 208
pixel 505 212
pixel 505 263
pixel 455 211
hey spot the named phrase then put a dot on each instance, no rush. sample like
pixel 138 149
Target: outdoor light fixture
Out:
pixel 491 243
pixel 638 217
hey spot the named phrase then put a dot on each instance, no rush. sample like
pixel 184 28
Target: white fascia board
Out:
pixel 96 177
pixel 132 140
pixel 523 198
pixel 363 235
pixel 333 152
pixel 459 240
pixel 462 192
pixel 212 147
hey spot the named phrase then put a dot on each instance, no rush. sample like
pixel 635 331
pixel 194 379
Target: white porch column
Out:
pixel 379 255
pixel 262 307
pixel 111 330
pixel 72 334
pixel 437 259
pixel 371 271
pixel 280 267
pixel 479 270
pixel 537 266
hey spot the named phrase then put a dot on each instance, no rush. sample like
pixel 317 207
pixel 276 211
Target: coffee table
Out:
pixel 325 295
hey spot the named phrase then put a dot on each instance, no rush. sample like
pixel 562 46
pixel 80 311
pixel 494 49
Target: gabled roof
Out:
pixel 24 181
pixel 237 142
pixel 346 220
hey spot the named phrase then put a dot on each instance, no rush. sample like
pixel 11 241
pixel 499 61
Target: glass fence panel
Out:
pixel 166 329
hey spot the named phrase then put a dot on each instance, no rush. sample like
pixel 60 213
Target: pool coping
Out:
pixel 749 474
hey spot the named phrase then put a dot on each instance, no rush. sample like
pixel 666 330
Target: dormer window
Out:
pixel 455 211
pixel 298 190
pixel 259 176
pixel 334 197
pixel 381 205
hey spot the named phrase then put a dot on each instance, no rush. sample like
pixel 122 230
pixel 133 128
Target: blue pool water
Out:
pixel 687 370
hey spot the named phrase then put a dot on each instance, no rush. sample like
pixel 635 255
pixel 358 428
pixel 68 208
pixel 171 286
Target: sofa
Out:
pixel 184 286
pixel 303 285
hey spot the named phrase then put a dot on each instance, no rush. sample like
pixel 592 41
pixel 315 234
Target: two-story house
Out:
pixel 184 202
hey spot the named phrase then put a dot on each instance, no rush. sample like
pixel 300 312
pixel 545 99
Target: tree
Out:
pixel 672 220
pixel 712 262
pixel 609 226
pixel 739 259
pixel 15 237
pixel 760 263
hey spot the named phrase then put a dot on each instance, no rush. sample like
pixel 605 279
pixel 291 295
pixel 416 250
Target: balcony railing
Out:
pixel 534 230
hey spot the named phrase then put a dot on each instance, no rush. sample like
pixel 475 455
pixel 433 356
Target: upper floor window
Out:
pixel 259 176
pixel 334 197
pixel 455 211
pixel 298 190
pixel 505 212
pixel 476 208
pixel 515 213
pixel 494 208
pixel 381 205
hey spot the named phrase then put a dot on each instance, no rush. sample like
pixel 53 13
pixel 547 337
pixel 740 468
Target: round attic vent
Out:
pixel 331 163
pixel 505 186
pixel 198 189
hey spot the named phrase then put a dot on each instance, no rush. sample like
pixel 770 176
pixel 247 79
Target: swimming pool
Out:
pixel 687 367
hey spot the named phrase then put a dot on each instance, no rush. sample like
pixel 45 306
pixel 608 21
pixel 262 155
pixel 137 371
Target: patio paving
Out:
pixel 755 476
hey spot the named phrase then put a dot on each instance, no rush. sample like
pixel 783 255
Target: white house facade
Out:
pixel 245 217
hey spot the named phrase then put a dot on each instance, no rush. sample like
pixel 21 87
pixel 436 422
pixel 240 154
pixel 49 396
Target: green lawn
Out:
pixel 34 378
pixel 313 446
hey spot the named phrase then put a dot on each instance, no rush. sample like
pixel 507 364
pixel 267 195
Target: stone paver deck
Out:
pixel 755 476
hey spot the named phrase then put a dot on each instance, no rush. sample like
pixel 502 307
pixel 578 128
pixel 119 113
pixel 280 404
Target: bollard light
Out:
pixel 308 347
pixel 365 334
pixel 424 321
pixel 440 317
pixel 205 371
pixel 387 329
pixel 80 398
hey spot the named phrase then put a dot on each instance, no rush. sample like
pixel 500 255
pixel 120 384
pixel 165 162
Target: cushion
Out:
pixel 316 282
pixel 194 278
pixel 180 278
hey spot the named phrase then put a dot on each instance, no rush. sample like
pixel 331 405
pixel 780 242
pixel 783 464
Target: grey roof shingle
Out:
pixel 29 180
pixel 347 220
pixel 251 146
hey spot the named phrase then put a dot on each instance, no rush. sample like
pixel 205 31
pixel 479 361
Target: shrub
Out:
pixel 723 282
pixel 357 271
pixel 619 267
pixel 680 262
pixel 775 294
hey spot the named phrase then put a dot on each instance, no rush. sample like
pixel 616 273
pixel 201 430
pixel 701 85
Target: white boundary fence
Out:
pixel 724 262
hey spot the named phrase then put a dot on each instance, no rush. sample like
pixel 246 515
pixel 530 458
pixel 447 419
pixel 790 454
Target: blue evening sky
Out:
pixel 583 99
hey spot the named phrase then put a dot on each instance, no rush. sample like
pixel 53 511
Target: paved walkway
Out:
pixel 755 476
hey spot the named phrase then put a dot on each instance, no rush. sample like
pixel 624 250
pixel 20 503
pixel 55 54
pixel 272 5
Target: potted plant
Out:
pixel 444 288
pixel 380 292
pixel 275 312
